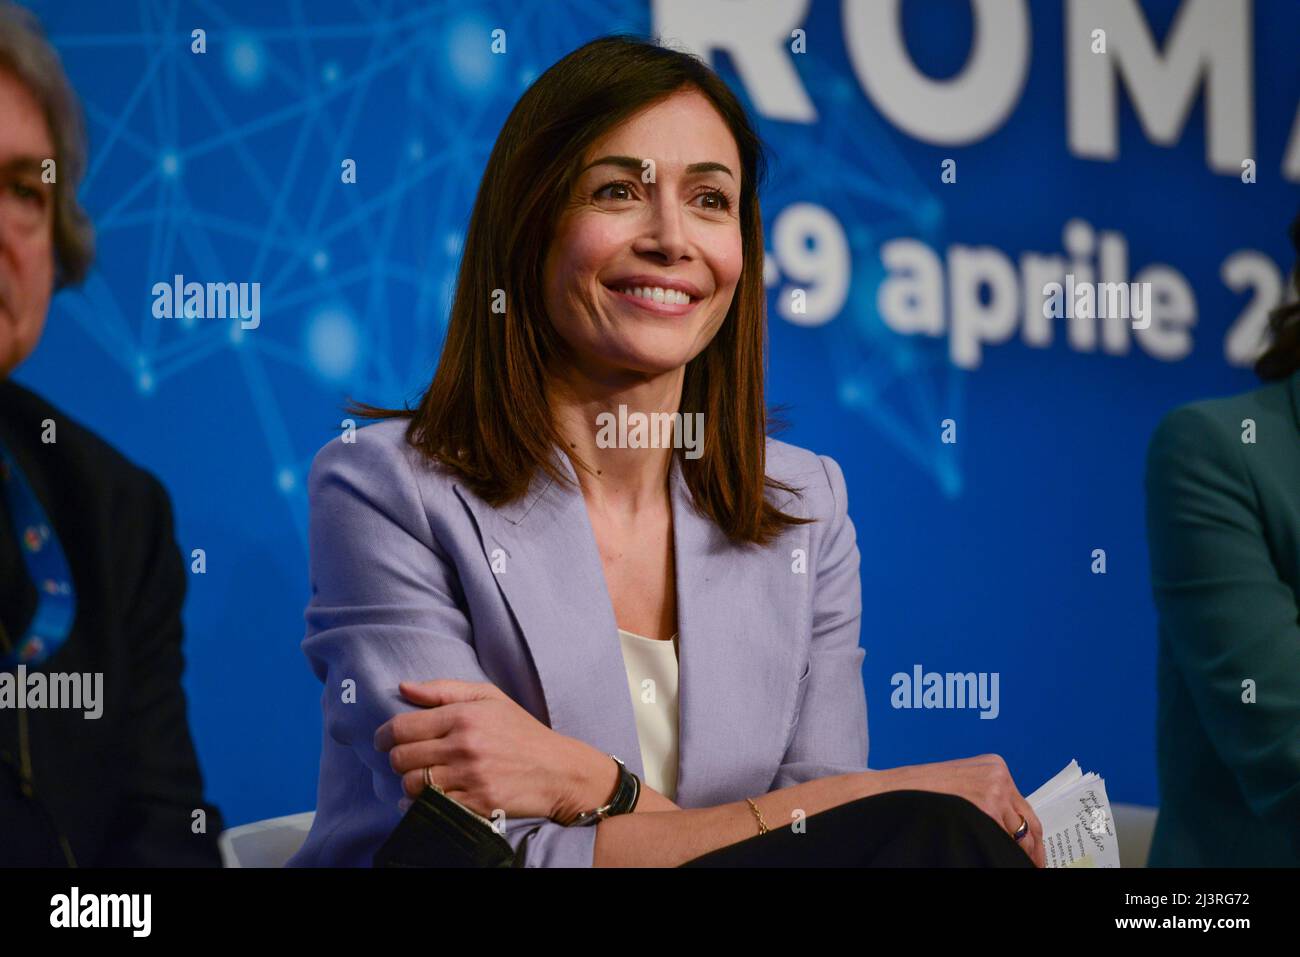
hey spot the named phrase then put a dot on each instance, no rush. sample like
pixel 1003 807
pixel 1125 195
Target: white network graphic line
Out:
pixel 355 278
pixel 225 166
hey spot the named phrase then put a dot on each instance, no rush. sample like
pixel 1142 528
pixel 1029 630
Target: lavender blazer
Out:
pixel 403 588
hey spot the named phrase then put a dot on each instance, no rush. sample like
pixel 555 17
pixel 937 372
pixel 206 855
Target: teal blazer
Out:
pixel 1223 525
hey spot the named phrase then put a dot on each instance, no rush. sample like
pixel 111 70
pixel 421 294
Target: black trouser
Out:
pixel 893 829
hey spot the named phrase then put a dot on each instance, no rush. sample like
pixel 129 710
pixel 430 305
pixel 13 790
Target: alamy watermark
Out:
pixel 651 430
pixel 1098 300
pixel 931 689
pixel 129 911
pixel 211 300
pixel 76 691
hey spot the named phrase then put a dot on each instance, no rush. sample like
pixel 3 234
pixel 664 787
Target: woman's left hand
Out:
pixel 483 749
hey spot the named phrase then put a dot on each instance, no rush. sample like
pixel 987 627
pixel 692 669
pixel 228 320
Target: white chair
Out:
pixel 271 842
pixel 1134 827
pixel 268 843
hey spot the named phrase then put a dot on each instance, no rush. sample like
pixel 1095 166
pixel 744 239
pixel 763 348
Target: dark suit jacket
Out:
pixel 121 788
pixel 1223 523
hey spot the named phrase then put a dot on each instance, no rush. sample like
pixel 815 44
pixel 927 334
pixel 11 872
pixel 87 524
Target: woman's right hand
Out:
pixel 983 780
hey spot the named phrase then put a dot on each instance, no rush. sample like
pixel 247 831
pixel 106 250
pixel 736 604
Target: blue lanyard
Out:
pixel 56 605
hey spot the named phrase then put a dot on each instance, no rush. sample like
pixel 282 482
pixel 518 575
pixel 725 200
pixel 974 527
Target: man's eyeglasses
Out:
pixel 25 200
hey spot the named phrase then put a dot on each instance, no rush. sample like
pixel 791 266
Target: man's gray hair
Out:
pixel 27 54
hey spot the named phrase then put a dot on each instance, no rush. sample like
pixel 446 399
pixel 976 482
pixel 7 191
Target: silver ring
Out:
pixel 428 781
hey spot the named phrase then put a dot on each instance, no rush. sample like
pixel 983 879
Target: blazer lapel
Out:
pixel 737 650
pixel 554 584
pixel 1295 396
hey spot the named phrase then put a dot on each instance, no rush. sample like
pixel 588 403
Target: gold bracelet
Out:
pixel 762 825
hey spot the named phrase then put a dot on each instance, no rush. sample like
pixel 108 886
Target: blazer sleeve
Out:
pixel 387 606
pixel 154 825
pixel 1224 611
pixel 830 735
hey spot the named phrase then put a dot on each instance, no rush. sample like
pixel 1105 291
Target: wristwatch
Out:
pixel 623 801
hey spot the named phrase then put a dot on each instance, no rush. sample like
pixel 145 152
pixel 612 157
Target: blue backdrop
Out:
pixel 977 555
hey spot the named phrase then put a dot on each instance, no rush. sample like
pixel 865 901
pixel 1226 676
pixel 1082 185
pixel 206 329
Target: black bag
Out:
pixel 439 832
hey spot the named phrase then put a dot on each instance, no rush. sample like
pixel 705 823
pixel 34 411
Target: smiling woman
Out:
pixel 561 632
pixel 625 167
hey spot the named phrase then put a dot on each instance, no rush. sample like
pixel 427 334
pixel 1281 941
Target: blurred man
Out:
pixel 96 763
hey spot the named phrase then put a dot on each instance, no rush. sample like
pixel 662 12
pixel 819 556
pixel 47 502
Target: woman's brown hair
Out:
pixel 485 415
pixel 1282 357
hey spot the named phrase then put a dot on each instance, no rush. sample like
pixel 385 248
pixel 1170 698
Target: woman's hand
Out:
pixel 484 750
pixel 986 782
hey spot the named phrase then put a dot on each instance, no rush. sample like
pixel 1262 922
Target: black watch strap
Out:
pixel 623 801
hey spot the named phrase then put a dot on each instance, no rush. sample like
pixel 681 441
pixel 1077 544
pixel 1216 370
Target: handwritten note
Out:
pixel 1078 826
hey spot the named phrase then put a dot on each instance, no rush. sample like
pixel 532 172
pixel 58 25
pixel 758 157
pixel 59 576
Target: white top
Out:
pixel 652 679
